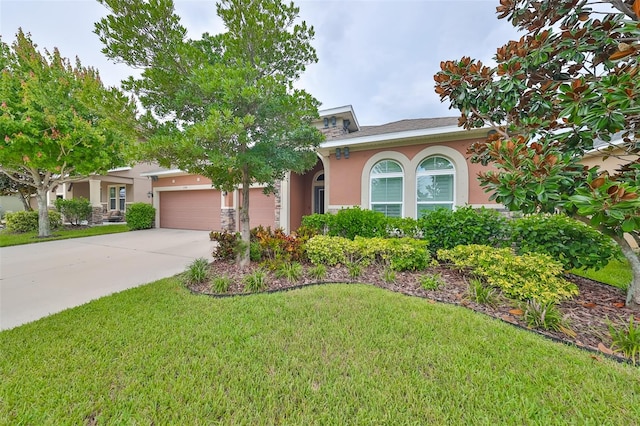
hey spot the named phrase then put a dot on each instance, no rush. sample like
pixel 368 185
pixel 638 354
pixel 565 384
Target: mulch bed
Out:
pixel 587 316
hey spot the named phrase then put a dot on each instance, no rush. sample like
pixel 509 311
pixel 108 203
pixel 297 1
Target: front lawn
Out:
pixel 13 239
pixel 333 354
pixel 617 273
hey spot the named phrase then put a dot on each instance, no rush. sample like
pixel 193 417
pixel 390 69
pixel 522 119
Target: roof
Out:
pixel 402 126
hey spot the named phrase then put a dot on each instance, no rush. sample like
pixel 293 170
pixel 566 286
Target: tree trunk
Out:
pixel 25 201
pixel 245 229
pixel 43 214
pixel 633 293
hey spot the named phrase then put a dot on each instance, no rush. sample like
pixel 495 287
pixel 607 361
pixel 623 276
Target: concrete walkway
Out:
pixel 44 278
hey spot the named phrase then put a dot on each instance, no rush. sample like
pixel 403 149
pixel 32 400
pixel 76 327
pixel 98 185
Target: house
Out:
pixel 109 194
pixel 401 169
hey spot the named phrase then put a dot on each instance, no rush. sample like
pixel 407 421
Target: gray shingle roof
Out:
pixel 402 126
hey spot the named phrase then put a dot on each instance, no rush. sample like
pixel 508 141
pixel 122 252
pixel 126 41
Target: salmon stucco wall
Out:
pixel 348 178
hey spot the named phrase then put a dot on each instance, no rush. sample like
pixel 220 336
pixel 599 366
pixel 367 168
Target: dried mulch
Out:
pixel 587 316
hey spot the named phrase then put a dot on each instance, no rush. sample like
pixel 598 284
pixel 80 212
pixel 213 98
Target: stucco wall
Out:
pixel 349 179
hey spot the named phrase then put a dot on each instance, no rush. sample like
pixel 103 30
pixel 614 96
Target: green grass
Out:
pixel 12 239
pixel 617 273
pixel 335 354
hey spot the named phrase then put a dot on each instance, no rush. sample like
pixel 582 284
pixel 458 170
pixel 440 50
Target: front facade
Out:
pixel 401 169
pixel 110 193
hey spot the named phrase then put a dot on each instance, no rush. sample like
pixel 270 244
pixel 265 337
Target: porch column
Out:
pixel 94 199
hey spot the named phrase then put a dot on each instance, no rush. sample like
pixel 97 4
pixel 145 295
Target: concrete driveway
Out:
pixel 40 279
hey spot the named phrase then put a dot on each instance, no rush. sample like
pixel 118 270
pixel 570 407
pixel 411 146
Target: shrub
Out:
pixel 545 315
pixel 276 245
pixel 292 272
pixel 389 275
pixel 227 244
pixel 255 252
pixel 355 269
pixel 74 210
pixel 355 221
pixel 326 250
pixel 256 281
pixel 27 221
pixel 197 271
pixel 431 281
pixel 401 254
pixel 627 340
pixel 318 272
pixel 320 223
pixel 481 293
pixel 530 276
pixel 573 243
pixel 140 216
pixel 446 229
pixel 403 227
pixel 221 284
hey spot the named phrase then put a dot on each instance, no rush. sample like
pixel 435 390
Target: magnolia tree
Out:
pixel 58 123
pixel 222 106
pixel 570 86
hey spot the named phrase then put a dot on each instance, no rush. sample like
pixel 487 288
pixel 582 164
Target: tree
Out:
pixel 569 86
pixel 16 186
pixel 58 123
pixel 222 106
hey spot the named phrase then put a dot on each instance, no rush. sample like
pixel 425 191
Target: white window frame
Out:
pixel 400 175
pixel 444 172
pixel 117 200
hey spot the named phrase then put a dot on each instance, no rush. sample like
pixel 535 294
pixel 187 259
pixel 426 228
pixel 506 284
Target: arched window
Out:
pixel 435 184
pixel 386 183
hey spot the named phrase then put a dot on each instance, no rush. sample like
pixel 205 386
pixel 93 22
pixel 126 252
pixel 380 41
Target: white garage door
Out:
pixel 197 209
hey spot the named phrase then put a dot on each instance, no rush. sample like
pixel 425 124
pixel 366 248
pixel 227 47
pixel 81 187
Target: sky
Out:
pixel 379 56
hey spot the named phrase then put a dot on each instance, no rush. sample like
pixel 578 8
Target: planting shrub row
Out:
pixel 27 221
pixel 531 276
pixel 573 243
pixel 400 254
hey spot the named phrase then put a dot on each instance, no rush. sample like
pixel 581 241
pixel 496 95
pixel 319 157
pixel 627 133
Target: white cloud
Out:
pixel 379 56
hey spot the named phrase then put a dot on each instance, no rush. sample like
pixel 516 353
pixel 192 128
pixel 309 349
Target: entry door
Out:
pixel 318 199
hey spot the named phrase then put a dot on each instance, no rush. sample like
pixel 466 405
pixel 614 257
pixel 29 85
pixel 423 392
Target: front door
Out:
pixel 318 199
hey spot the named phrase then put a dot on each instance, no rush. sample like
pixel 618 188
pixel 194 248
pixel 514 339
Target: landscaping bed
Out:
pixel 586 316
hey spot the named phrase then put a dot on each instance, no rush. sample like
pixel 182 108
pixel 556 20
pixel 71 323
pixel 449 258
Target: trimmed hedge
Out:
pixel 27 221
pixel 140 216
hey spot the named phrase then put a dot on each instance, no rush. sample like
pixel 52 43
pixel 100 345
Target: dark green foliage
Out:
pixel 227 244
pixel 140 216
pixel 255 252
pixel 357 222
pixel 568 241
pixel 74 210
pixel 445 229
pixel 28 221
pixel 318 222
pixel 403 227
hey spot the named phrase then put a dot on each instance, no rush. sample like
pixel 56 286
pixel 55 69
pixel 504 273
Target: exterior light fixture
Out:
pixel 345 150
pixel 337 153
pixel 149 194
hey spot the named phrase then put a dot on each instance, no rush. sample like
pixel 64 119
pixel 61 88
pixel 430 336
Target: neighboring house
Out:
pixel 401 169
pixel 110 193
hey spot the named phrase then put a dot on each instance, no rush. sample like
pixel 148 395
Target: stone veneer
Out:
pixel 228 219
pixel 96 216
pixel 332 132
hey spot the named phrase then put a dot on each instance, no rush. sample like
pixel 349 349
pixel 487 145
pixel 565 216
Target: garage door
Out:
pixel 197 209
pixel 262 208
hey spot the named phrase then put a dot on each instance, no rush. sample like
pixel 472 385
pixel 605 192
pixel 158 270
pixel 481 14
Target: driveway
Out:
pixel 44 278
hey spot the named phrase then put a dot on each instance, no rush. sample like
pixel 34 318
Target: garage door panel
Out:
pixel 196 209
pixel 261 208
